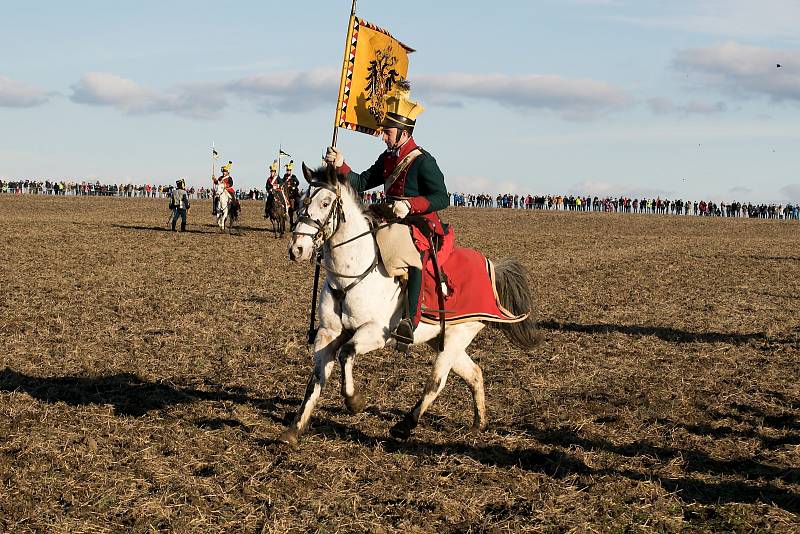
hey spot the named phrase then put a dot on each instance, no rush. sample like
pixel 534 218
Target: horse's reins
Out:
pixel 336 213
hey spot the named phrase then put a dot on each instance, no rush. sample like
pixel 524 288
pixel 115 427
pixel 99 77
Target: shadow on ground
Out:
pixel 664 333
pixel 130 395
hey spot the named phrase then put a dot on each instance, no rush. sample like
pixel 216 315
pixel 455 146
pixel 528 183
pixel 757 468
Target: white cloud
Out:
pixel 662 106
pixel 16 94
pixel 571 98
pixel 791 193
pixel 288 91
pixel 740 189
pixel 190 100
pixel 299 91
pixel 745 70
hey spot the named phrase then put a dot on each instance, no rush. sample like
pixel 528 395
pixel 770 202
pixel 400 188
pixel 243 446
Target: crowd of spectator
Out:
pixel 508 201
pixel 84 188
pixel 629 205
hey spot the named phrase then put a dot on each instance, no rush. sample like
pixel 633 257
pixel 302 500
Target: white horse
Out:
pixel 360 305
pixel 225 215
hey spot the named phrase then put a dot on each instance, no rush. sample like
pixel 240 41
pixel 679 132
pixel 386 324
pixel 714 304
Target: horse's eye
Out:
pixel 326 204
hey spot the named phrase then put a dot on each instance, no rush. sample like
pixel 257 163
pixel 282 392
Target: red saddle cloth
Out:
pixel 471 292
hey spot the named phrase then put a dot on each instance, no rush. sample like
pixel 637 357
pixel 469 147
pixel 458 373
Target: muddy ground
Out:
pixel 146 374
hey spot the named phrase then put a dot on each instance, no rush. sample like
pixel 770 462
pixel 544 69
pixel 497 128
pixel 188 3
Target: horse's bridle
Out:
pixel 321 236
pixel 335 214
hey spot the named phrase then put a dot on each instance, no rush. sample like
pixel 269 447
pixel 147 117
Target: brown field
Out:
pixel 145 376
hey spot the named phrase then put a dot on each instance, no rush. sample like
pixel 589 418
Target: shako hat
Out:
pixel 227 168
pixel 290 166
pixel 401 111
pixel 274 166
pixel 180 183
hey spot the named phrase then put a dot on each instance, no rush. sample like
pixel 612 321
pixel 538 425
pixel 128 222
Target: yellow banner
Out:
pixel 374 63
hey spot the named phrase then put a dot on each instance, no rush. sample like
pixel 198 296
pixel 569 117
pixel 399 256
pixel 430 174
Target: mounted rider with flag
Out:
pixel 227 181
pixel 413 182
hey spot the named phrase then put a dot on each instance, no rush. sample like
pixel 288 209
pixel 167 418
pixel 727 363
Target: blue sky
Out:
pixel 620 97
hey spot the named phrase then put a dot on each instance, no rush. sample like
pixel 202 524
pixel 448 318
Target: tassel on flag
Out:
pixel 214 153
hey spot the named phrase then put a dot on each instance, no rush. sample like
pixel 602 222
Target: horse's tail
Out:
pixel 515 295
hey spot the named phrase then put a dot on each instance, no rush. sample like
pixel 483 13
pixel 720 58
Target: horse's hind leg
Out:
pixel 326 344
pixel 471 373
pixel 434 385
pixel 367 338
pixel 457 338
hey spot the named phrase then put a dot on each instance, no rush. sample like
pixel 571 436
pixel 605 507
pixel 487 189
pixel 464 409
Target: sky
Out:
pixel 670 98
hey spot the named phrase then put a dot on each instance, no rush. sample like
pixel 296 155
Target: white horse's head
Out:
pixel 320 213
pixel 219 188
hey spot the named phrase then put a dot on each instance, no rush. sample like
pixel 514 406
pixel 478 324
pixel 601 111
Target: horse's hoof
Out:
pixel 356 403
pixel 478 428
pixel 401 431
pixel 290 438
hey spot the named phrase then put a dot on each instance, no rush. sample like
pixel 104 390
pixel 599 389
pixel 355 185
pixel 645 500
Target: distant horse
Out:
pixel 275 210
pixel 226 209
pixel 293 199
pixel 361 304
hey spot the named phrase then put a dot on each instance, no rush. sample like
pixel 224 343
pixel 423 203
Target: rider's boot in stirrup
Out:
pixel 404 334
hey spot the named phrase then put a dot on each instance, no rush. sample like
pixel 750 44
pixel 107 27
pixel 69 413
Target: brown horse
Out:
pixel 275 210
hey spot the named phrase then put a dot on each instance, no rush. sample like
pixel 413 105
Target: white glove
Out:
pixel 400 208
pixel 334 156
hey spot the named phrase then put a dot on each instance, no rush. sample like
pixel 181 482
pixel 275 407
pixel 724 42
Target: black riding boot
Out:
pixel 404 333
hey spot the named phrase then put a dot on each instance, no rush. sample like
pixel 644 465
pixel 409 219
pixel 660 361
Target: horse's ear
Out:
pixel 308 173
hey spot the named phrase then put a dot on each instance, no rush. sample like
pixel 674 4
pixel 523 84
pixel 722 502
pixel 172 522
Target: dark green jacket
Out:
pixel 422 183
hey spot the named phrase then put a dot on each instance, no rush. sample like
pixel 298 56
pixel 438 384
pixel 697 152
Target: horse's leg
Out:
pixel 368 337
pixel 326 344
pixel 471 373
pixel 457 339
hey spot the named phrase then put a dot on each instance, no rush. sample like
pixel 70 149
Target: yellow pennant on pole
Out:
pixel 374 63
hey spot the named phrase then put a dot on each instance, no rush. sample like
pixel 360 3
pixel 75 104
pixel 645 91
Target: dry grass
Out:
pixel 146 375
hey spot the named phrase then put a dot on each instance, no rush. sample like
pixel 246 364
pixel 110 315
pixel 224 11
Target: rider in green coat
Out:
pixel 411 179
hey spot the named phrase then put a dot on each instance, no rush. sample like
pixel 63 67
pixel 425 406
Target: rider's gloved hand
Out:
pixel 334 157
pixel 401 208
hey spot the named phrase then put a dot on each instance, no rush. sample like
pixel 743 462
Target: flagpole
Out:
pixel 280 149
pixel 312 330
pixel 213 165
pixel 344 69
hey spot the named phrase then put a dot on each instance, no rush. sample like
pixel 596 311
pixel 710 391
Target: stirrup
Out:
pixel 404 335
